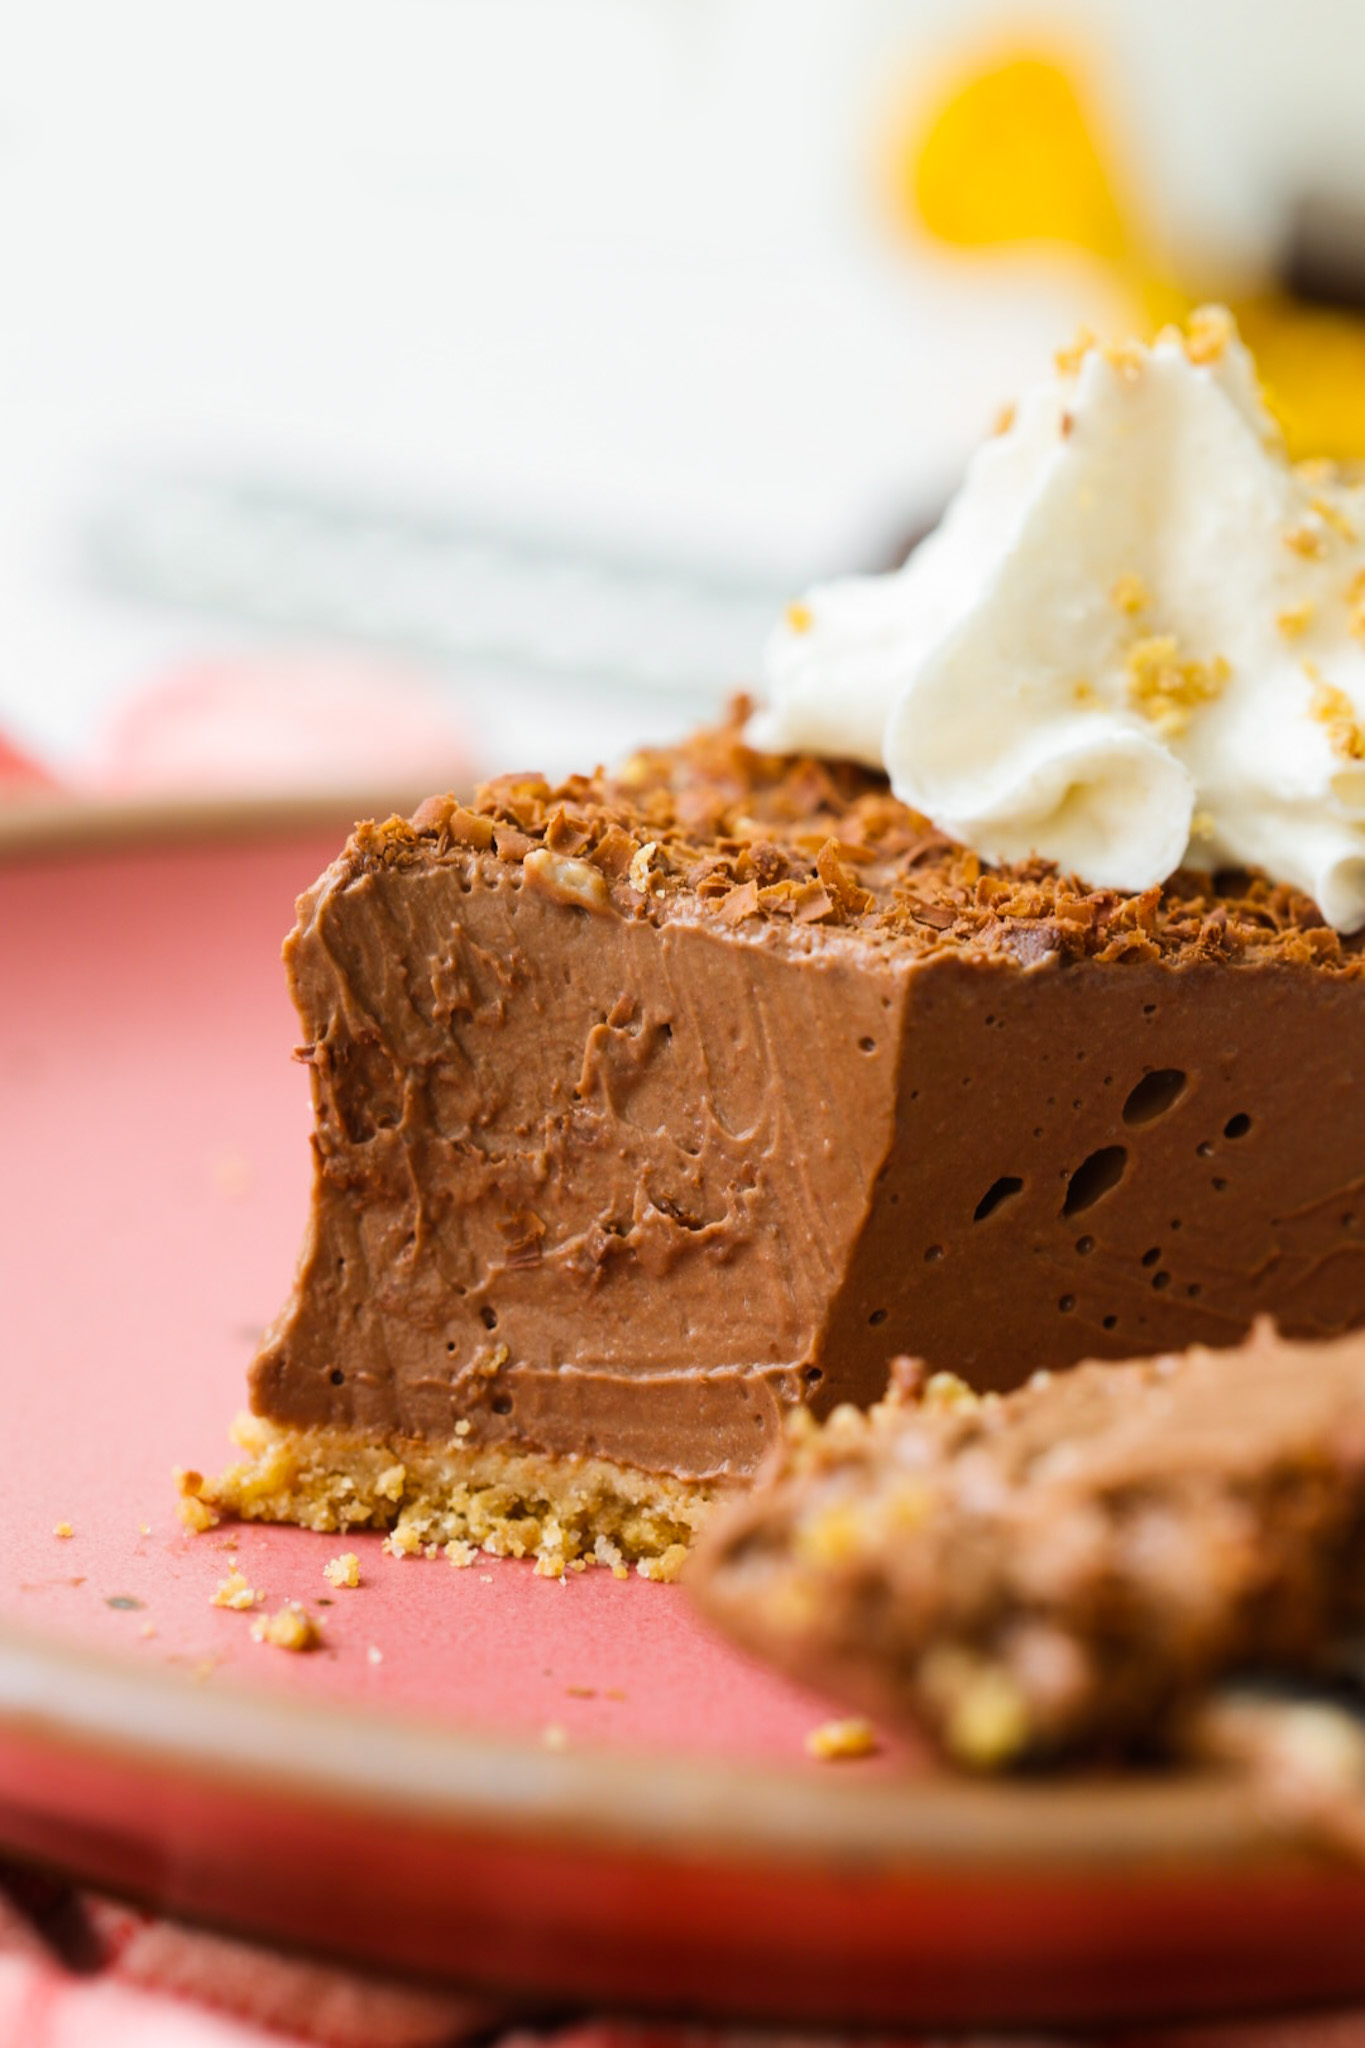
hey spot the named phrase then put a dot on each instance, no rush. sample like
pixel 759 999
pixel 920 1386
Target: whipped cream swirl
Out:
pixel 1137 639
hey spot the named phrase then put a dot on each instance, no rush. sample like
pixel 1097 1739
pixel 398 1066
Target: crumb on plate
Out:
pixel 292 1628
pixel 836 1741
pixel 235 1591
pixel 195 1513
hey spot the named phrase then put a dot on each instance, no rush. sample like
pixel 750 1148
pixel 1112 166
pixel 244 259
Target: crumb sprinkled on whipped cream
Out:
pixel 1208 334
pixel 1295 619
pixel 1355 604
pixel 1334 709
pixel 1308 541
pixel 1069 359
pixel 1130 594
pixel 1334 517
pixel 1168 688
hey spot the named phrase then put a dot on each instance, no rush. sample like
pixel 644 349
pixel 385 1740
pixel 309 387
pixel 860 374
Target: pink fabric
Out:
pixel 78 1971
pixel 291 724
pixel 20 774
pixel 285 725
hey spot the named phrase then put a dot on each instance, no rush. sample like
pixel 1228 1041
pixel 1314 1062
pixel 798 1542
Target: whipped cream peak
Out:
pixel 1137 638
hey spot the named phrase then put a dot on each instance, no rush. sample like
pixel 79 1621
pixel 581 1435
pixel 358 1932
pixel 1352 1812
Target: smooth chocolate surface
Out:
pixel 1068 1566
pixel 651 1104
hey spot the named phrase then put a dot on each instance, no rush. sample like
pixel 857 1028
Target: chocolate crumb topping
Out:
pixel 808 841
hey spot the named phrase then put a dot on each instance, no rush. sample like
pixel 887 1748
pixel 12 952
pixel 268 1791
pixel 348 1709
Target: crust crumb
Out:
pixel 343 1570
pixel 986 1720
pixel 292 1628
pixel 235 1591
pixel 63 1529
pixel 836 1741
pixel 664 1568
pixel 389 1484
pixel 946 1390
pixel 195 1512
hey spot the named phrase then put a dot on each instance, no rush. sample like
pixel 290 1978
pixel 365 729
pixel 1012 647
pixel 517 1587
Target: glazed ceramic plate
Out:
pixel 562 1789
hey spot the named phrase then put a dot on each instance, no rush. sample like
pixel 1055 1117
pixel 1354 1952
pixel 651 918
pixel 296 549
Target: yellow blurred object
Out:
pixel 1009 157
pixel 1312 365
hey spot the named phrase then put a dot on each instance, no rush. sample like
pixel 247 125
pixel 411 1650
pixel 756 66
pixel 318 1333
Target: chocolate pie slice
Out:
pixel 655 1105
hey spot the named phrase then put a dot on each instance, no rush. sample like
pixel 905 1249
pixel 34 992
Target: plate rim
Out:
pixel 52 823
pixel 240 1737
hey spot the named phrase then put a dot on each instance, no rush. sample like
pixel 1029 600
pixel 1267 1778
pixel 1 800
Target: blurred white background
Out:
pixel 546 346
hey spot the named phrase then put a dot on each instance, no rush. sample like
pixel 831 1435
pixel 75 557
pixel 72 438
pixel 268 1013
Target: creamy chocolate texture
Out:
pixel 1069 1566
pixel 650 1105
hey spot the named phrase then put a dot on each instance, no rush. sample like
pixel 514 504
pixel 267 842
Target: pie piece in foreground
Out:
pixel 654 1105
pixel 1068 1567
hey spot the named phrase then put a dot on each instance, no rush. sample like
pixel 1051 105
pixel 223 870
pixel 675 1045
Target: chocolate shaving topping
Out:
pixel 802 841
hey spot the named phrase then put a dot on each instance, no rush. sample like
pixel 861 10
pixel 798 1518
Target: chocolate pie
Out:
pixel 656 1105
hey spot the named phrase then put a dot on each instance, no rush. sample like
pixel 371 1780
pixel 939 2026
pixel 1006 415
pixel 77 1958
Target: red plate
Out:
pixel 393 1798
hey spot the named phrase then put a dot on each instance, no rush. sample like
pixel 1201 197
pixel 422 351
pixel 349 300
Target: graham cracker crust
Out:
pixel 567 1513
